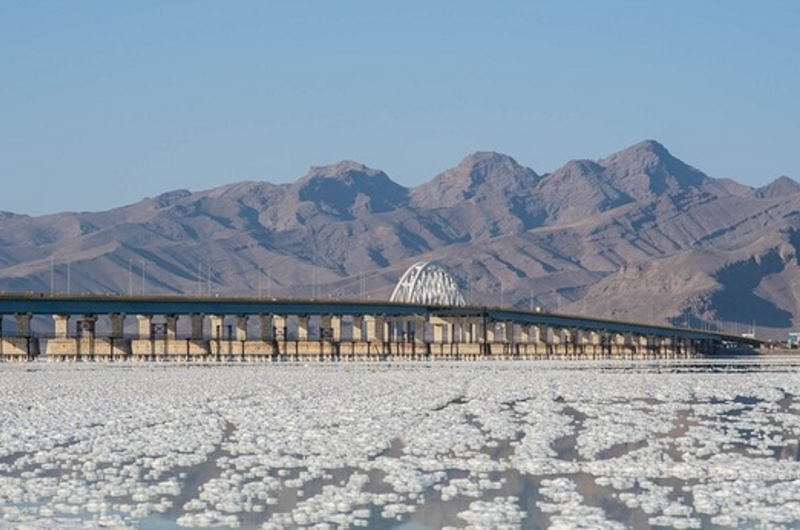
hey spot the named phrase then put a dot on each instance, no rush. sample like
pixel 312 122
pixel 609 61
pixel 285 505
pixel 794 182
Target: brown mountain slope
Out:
pixel 638 234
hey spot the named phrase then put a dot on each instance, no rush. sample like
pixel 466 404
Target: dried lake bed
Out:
pixel 484 445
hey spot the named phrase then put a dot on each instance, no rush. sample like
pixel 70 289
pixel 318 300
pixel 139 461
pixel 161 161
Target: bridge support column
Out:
pixel 507 339
pixel 617 343
pixel 21 347
pixel 267 331
pixel 553 339
pixel 407 329
pixel 642 346
pixel 142 346
pixel 336 337
pixel 358 328
pixel 305 349
pixel 325 331
pixel 438 333
pixel 197 326
pixel 490 332
pixel 61 325
pixel 669 347
pixel 593 340
pixel 241 336
pixel 336 328
pixel 87 332
pixel 466 331
pixel 23 321
pixel 541 346
pixel 374 328
pixel 163 345
pixel 419 329
pixel 302 327
pixel 301 339
pixel 578 342
pixel 61 347
pixel 172 326
pixel 117 325
pixel 371 330
pixel 217 334
pixel 260 348
pixel 401 346
pixel 196 347
pixel 326 337
pixel 241 327
pixel 523 341
pixel 118 347
pixel 280 337
pixel 524 334
pixel 145 325
pixel 464 346
pixel 565 342
pixel 419 350
pixel 281 331
pixel 532 344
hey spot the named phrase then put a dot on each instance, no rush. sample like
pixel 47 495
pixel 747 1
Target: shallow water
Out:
pixel 711 444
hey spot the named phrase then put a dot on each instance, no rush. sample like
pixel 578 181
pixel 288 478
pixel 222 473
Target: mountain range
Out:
pixel 638 235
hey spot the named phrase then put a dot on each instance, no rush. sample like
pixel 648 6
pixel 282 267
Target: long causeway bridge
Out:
pixel 217 329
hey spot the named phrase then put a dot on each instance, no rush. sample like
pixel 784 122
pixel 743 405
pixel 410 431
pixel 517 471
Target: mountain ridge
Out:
pixel 605 234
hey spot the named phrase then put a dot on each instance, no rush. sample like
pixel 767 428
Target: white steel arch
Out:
pixel 426 282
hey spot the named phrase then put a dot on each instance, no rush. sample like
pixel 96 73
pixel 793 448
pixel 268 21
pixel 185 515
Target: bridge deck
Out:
pixel 60 304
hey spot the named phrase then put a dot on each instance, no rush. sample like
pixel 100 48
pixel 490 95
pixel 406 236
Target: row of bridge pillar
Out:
pixel 371 337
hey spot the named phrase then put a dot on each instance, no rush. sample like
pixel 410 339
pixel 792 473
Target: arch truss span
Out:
pixel 428 283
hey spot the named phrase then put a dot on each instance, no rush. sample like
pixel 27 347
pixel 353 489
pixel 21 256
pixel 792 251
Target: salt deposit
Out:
pixel 507 445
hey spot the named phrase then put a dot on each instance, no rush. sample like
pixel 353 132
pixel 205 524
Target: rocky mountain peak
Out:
pixel 480 174
pixel 780 187
pixel 346 187
pixel 489 166
pixel 647 170
pixel 343 170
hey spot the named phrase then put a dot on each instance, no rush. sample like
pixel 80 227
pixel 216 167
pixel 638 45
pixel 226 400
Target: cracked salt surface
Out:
pixel 506 445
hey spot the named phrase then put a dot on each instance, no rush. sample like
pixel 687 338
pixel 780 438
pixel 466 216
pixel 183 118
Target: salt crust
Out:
pixel 93 446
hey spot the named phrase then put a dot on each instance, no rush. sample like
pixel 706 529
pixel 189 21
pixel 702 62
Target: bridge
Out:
pixel 219 329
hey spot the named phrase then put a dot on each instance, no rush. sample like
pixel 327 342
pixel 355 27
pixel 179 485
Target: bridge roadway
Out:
pixel 344 330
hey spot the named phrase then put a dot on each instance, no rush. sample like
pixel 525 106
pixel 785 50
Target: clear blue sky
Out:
pixel 105 102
